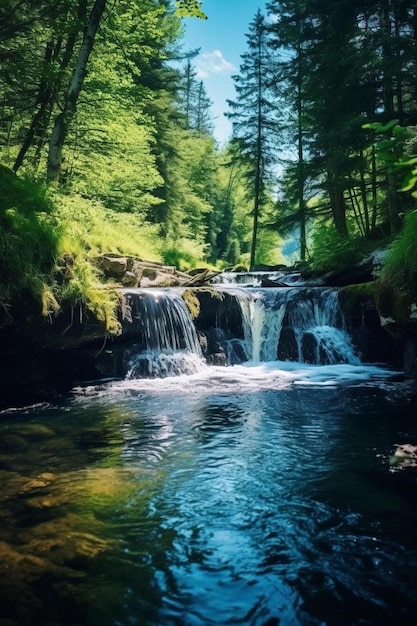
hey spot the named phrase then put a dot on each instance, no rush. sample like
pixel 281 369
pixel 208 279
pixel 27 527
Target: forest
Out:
pixel 107 145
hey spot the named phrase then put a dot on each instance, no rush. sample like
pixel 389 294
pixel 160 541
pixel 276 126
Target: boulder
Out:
pixel 113 267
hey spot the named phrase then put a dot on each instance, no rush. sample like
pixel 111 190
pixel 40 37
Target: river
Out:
pixel 214 500
pixel 257 494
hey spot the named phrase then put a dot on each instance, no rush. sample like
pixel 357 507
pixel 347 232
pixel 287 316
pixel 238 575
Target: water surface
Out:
pixel 254 495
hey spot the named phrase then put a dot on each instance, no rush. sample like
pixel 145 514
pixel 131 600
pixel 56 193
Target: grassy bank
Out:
pixel 48 243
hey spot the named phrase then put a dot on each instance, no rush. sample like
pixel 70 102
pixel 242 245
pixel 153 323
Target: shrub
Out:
pixel 396 288
pixel 184 254
pixel 331 251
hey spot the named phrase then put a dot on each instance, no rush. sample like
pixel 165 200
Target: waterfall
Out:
pixel 255 278
pixel 298 324
pixel 160 322
pixel 293 324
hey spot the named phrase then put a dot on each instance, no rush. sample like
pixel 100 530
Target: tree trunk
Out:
pixel 338 207
pixel 63 120
pixel 258 174
pixel 300 147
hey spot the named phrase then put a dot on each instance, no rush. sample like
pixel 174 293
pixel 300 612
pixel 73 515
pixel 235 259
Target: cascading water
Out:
pixel 256 278
pixel 298 324
pixel 169 344
pixel 292 324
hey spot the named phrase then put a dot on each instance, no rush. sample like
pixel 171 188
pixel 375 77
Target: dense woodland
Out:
pixel 106 141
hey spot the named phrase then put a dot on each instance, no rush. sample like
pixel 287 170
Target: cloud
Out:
pixel 213 63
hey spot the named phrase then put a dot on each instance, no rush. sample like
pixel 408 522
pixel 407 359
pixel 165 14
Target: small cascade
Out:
pixel 251 324
pixel 166 342
pixel 292 324
pixel 256 278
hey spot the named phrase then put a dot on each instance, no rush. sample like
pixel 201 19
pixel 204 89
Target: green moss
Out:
pixel 354 295
pixel 192 302
pixel 395 300
pixel 396 288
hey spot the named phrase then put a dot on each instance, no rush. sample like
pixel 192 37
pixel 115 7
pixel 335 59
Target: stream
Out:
pixel 260 493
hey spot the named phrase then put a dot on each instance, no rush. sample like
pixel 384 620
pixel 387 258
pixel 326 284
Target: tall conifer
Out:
pixel 253 116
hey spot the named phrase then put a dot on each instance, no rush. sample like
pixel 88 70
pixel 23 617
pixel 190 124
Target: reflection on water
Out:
pixel 233 504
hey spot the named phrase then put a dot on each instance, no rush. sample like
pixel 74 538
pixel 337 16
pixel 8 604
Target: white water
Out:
pixel 309 313
pixel 250 378
pixel 172 358
pixel 255 279
pixel 171 345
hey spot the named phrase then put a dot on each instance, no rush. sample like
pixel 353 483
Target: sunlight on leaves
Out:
pixel 190 8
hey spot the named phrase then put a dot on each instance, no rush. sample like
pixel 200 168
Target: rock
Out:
pixel 113 267
pixel 131 279
pixel 269 268
pixel 357 274
pixel 267 282
pixel 219 359
pixel 152 278
pixel 149 272
pixel 288 346
pixel 405 455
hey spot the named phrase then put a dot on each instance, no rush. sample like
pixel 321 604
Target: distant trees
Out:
pixel 194 102
pixel 253 116
pixel 342 64
pixel 91 101
pixel 94 99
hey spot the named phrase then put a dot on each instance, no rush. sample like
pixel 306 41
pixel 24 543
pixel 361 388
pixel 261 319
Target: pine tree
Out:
pixel 194 103
pixel 202 117
pixel 253 117
pixel 288 40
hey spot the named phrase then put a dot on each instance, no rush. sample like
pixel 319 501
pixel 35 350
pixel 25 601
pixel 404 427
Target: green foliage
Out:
pixel 190 8
pixel 48 245
pixel 91 229
pixel 391 143
pixel 400 267
pixel 268 248
pixel 184 254
pixel 331 251
pixel 393 151
pixel 84 288
pixel 233 253
pixel 126 150
pixel 29 239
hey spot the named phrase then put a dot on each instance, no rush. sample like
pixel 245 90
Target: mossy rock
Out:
pixel 352 296
pixel 192 302
pixel 397 303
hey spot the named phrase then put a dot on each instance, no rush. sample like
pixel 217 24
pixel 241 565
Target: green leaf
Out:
pixel 407 161
pixel 409 182
pixel 190 8
pixel 380 128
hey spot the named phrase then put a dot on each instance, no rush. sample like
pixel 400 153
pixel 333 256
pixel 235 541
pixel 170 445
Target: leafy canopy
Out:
pixel 190 8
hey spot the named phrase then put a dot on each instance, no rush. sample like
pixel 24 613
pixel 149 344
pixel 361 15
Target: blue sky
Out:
pixel 222 41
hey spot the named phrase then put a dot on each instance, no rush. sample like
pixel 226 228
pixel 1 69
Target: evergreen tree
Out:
pixel 193 101
pixel 288 40
pixel 253 117
pixel 343 63
pixel 202 122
